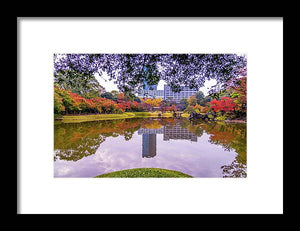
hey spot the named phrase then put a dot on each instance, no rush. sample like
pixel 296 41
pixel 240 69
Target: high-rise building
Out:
pixel 150 91
pixel 150 87
pixel 185 92
pixel 151 94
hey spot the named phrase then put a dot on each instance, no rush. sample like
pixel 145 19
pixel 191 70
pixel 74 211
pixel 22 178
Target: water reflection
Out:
pixel 149 145
pixel 78 141
pixel 175 132
pixel 74 141
pixel 230 137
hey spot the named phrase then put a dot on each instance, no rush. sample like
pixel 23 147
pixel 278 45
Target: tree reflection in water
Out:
pixel 74 141
pixel 231 136
pixel 235 169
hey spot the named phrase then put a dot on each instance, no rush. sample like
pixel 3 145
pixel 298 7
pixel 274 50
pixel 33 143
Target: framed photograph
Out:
pixel 150 115
pixel 171 115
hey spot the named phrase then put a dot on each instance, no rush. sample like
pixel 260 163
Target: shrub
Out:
pixel 220 118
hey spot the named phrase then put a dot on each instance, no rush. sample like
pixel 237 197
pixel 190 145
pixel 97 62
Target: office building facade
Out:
pixel 150 91
pixel 151 94
pixel 185 92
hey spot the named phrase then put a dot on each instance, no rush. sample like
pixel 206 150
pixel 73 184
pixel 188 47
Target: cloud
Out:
pixel 199 159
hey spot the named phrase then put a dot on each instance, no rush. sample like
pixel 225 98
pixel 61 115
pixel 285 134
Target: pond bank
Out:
pixel 96 117
pixel 126 115
pixel 235 121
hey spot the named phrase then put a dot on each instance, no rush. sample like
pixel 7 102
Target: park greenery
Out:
pixel 77 92
pixel 145 173
pixel 79 97
pixel 132 71
pixel 67 102
pixel 230 103
pixel 227 104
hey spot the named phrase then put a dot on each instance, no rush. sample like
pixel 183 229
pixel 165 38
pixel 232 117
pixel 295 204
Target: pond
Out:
pixel 199 149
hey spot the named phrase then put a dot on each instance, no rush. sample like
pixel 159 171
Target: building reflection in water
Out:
pixel 178 133
pixel 149 145
pixel 149 141
pixel 174 132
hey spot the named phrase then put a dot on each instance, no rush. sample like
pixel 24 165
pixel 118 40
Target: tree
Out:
pixel 172 108
pixel 233 97
pixel 225 104
pixel 192 100
pixel 114 93
pixel 205 100
pixel 189 109
pixel 131 71
pixel 108 95
pixel 152 102
pixel 199 96
pixel 197 108
pixel 238 90
pixel 70 102
pixel 164 106
pixel 121 96
pixel 63 97
pixel 184 102
pixel 58 102
pixel 200 109
pixel 137 99
pixel 74 80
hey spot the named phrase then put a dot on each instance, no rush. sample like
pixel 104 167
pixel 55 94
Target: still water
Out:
pixel 199 149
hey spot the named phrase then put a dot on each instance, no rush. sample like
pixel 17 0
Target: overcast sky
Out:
pixel 109 85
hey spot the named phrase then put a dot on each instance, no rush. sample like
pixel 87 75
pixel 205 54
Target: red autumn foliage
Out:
pixel 225 104
pixel 171 108
pixel 70 102
pixel 238 88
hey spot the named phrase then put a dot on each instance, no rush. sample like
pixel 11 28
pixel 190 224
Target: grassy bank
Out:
pixel 96 117
pixel 144 173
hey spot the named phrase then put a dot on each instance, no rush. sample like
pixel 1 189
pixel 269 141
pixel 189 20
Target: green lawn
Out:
pixel 150 114
pixel 84 118
pixel 145 173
